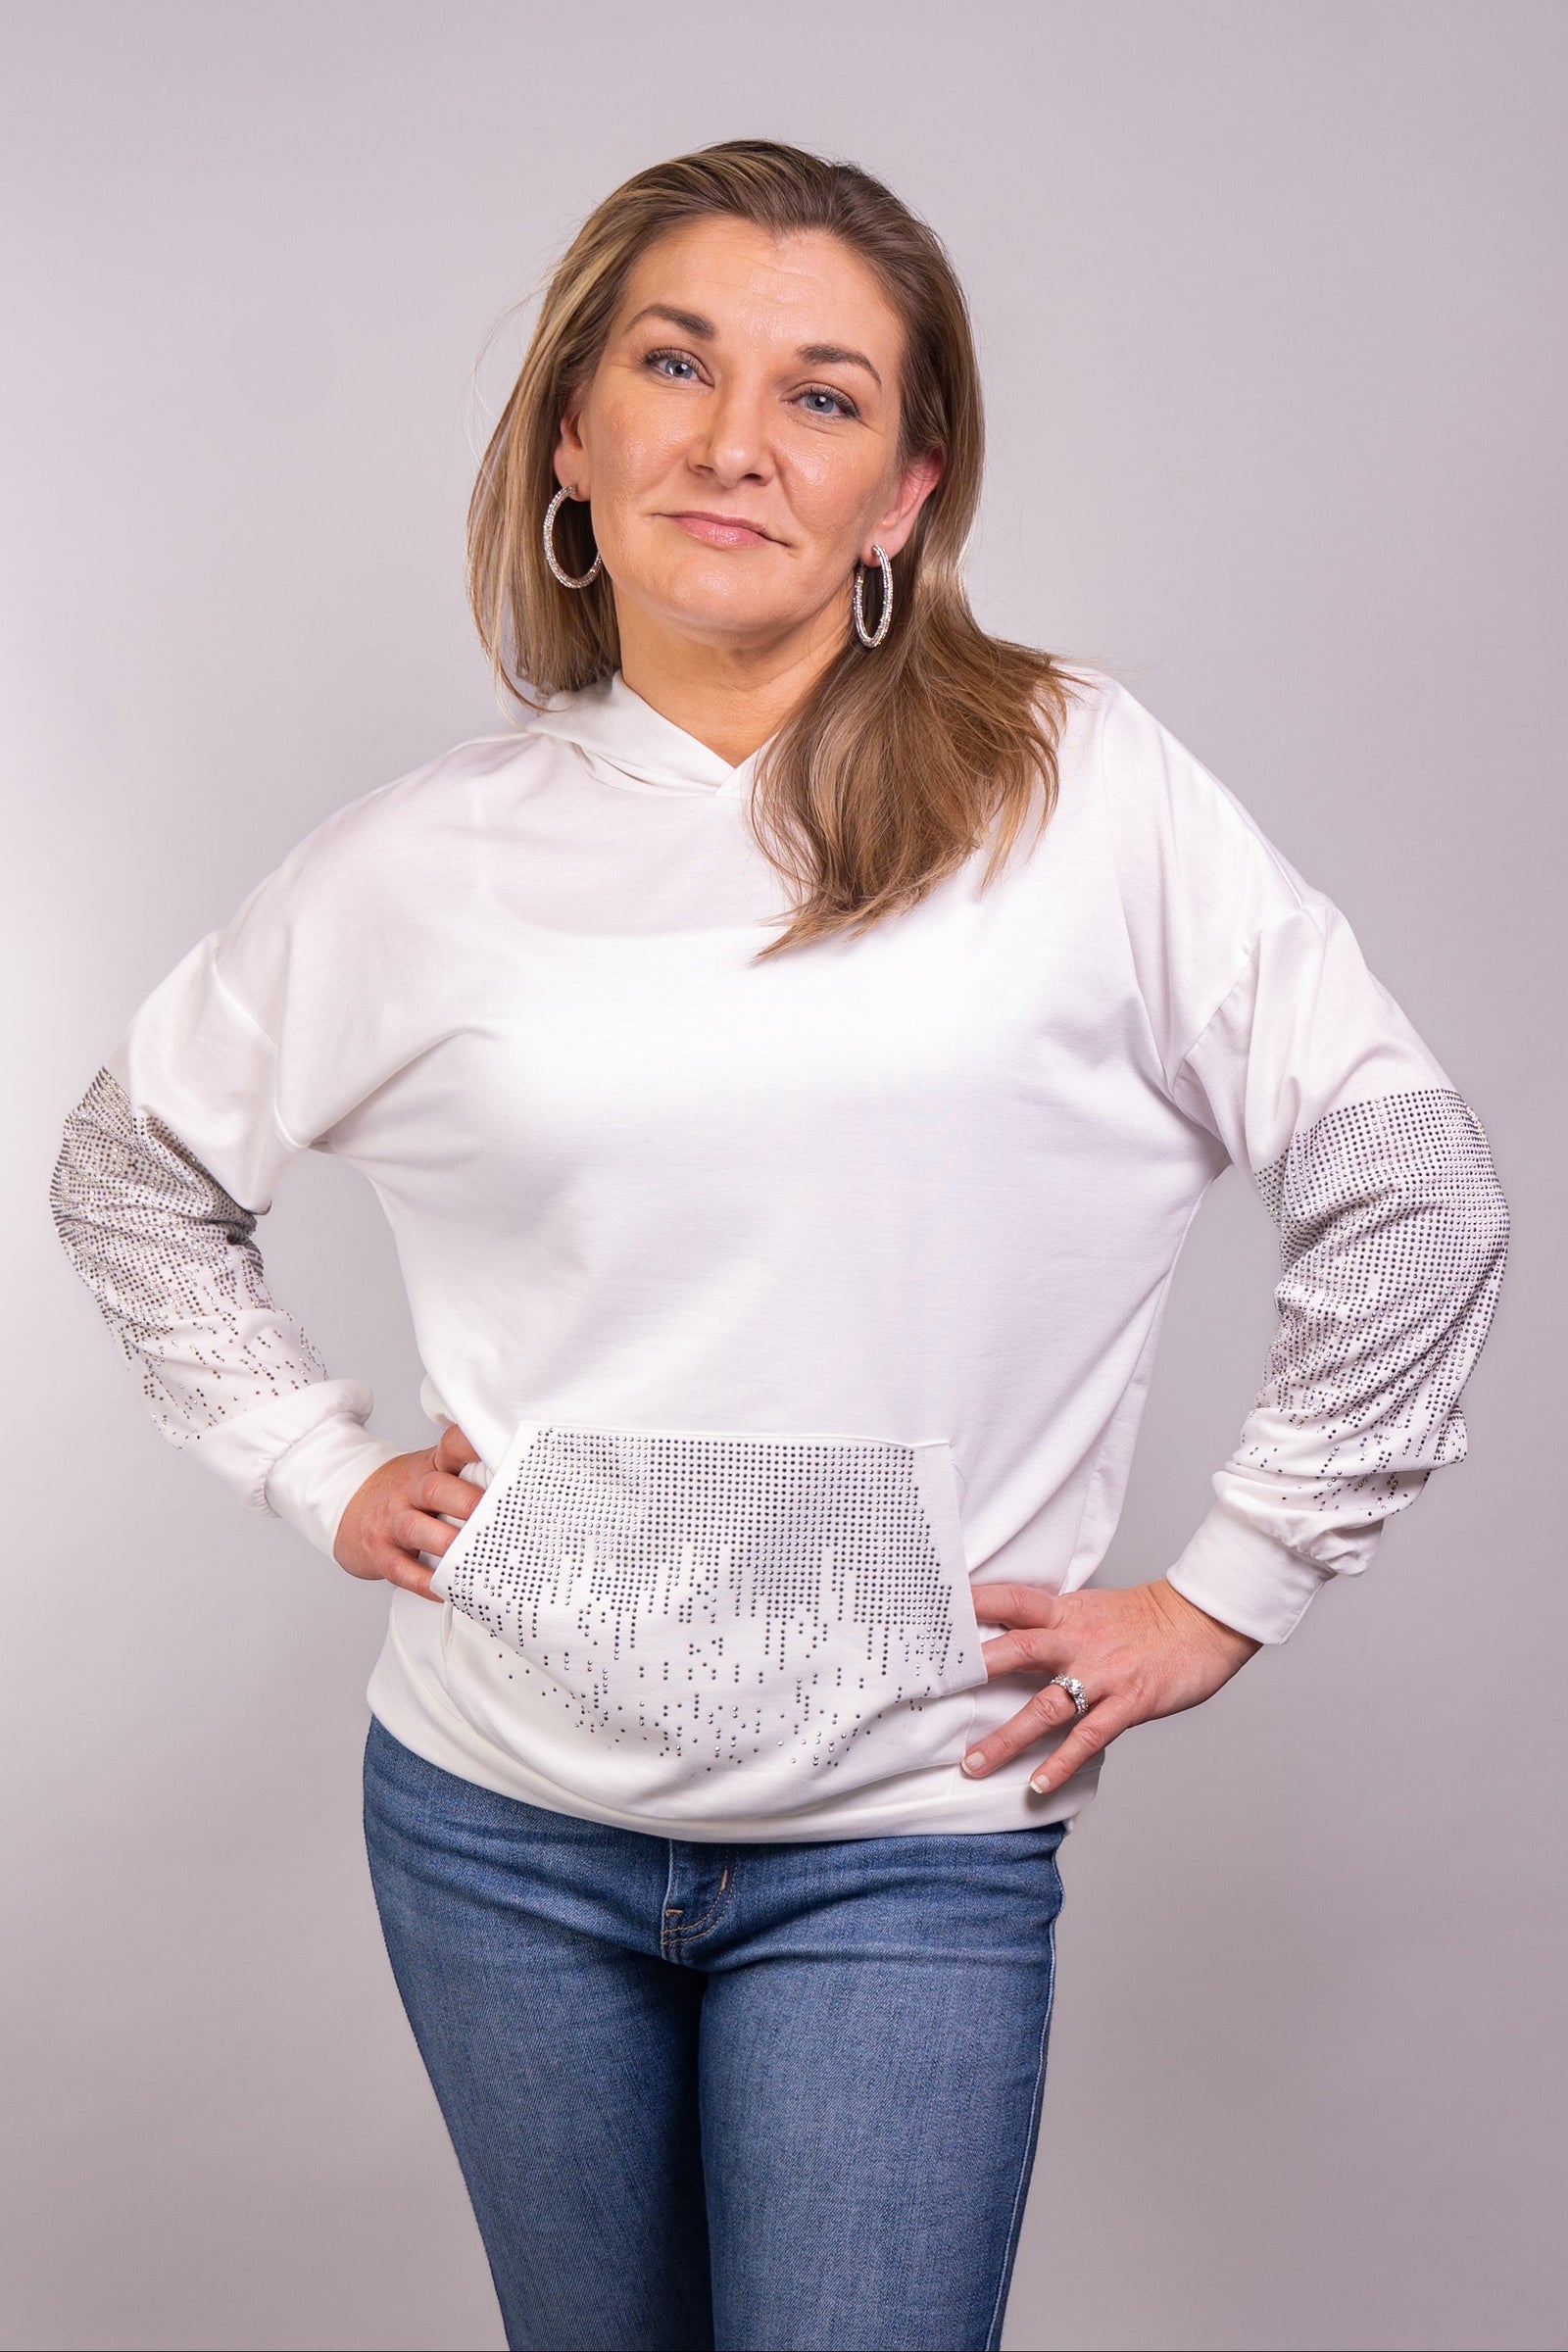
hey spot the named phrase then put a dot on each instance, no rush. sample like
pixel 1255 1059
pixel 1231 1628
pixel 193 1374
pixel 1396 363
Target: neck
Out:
pixel 730 697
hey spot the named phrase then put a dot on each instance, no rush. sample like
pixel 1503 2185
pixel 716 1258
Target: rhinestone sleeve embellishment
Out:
pixel 724 1598
pixel 1394 1235
pixel 170 1257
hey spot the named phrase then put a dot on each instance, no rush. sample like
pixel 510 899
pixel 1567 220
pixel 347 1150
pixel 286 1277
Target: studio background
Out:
pixel 1270 308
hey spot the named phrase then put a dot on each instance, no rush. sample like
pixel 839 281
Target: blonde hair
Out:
pixel 891 770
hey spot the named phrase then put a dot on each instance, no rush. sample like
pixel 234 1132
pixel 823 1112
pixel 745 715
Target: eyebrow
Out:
pixel 819 355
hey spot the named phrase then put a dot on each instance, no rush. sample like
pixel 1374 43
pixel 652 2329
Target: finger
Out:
pixel 1040 1649
pixel 411 1575
pixel 1046 1710
pixel 1017 1604
pixel 414 1531
pixel 444 1495
pixel 1099 1727
pixel 452 1450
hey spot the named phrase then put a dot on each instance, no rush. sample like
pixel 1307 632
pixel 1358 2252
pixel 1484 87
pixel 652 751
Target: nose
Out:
pixel 732 442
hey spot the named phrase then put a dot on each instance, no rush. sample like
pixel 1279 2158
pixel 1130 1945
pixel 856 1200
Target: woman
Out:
pixel 790 1059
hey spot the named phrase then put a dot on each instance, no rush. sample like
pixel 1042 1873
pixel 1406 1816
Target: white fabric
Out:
pixel 896 1209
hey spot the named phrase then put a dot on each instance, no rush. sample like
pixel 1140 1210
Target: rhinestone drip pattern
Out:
pixel 1394 1235
pixel 723 1598
pixel 170 1260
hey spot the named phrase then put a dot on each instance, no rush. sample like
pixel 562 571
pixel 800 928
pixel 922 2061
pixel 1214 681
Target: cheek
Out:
pixel 637 444
pixel 832 498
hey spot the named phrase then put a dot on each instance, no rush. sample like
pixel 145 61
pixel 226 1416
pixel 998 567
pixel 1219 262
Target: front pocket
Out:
pixel 767 1618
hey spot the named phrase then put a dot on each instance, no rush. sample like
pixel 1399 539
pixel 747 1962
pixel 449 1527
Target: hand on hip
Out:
pixel 1132 1655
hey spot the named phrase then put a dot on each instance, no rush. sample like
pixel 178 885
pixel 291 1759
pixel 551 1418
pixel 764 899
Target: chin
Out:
pixel 721 608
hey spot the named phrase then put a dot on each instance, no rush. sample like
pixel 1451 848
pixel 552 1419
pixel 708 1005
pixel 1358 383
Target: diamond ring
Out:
pixel 1075 1691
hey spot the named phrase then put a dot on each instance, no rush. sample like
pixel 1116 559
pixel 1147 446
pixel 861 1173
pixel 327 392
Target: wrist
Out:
pixel 1187 1614
pixel 312 1486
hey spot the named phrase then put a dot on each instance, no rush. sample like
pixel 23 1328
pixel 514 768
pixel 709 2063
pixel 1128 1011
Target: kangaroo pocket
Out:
pixel 712 1624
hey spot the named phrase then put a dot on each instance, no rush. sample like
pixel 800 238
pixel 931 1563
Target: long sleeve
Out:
pixel 165 1166
pixel 1376 1171
pixel 171 1260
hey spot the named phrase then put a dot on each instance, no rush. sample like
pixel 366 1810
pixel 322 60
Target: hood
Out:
pixel 621 734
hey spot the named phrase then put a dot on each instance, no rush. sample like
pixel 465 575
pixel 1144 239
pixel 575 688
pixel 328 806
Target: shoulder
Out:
pixel 411 818
pixel 431 825
pixel 352 895
pixel 1184 842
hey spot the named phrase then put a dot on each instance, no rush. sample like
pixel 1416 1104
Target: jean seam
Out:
pixel 1031 2141
pixel 665 1907
pixel 720 1903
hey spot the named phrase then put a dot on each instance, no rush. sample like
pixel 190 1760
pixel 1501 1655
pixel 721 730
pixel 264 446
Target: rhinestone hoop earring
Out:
pixel 884 617
pixel 564 577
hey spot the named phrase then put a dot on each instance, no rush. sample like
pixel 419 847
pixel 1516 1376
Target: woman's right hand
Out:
pixel 403 1509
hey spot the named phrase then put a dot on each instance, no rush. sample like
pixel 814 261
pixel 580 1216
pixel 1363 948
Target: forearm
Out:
pixel 1393 1238
pixel 170 1260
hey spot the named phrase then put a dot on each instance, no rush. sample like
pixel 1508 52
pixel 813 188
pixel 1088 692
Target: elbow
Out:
pixel 1473 1218
pixel 1490 1227
pixel 84 1170
pixel 64 1183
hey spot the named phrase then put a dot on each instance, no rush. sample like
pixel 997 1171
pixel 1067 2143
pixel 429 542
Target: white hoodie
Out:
pixel 783 1301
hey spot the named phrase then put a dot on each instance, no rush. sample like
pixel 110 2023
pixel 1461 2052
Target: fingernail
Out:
pixel 1040 1783
pixel 974 1762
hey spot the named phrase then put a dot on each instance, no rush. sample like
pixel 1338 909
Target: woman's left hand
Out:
pixel 1139 1654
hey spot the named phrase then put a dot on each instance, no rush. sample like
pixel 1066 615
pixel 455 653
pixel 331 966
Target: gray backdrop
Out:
pixel 1272 323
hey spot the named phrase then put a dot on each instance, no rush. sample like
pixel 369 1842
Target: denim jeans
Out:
pixel 729 2097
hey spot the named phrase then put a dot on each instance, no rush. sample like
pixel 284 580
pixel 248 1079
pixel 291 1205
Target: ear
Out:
pixel 571 452
pixel 915 485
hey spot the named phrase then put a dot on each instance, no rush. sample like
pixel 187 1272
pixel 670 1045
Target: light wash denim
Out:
pixel 723 2099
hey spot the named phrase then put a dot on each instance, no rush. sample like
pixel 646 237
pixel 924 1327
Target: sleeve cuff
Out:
pixel 311 1485
pixel 1233 1571
pixel 300 1455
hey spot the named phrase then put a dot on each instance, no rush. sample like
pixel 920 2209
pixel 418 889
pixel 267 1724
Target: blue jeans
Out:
pixel 732 2097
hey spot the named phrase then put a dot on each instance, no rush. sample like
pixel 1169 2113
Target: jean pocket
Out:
pixel 737 1622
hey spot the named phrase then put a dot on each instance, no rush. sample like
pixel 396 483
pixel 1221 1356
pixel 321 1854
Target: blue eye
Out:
pixel 679 367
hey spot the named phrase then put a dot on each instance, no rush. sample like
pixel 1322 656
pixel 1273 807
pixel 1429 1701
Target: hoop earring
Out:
pixel 885 617
pixel 564 577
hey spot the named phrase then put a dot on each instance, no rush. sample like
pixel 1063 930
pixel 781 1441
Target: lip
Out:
pixel 721 530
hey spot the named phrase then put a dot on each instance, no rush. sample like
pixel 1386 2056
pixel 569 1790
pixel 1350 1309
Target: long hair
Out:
pixel 897 763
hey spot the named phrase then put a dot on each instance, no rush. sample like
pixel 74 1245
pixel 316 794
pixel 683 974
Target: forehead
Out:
pixel 806 286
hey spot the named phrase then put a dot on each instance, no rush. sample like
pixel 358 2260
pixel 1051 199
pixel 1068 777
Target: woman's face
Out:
pixel 739 437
